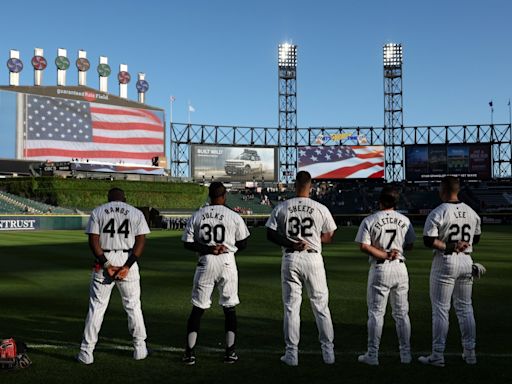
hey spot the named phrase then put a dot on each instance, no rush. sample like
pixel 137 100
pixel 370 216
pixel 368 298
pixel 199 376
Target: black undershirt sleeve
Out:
pixel 476 239
pixel 429 241
pixel 279 239
pixel 241 245
pixel 197 247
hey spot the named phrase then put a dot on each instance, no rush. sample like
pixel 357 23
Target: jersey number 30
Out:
pixel 217 233
pixel 124 228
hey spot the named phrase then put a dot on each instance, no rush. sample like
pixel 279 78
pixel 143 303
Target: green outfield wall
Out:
pixel 87 194
pixel 41 222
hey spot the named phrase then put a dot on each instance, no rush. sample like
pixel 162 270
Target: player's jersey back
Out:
pixel 453 221
pixel 216 224
pixel 302 218
pixel 117 223
pixel 387 230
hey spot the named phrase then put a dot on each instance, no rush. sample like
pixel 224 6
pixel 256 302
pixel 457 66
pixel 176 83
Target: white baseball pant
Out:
pixel 451 276
pixel 211 271
pixel 300 268
pixel 99 297
pixel 389 279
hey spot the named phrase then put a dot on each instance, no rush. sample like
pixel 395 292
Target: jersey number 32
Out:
pixel 297 226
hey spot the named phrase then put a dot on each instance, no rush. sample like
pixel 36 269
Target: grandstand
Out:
pixel 10 203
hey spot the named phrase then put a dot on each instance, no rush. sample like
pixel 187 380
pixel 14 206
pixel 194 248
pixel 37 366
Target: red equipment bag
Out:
pixel 13 354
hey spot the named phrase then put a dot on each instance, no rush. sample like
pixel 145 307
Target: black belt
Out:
pixel 382 261
pixel 449 254
pixel 117 250
pixel 290 250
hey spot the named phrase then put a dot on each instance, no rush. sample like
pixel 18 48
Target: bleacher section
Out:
pixel 10 203
pixel 421 200
pixel 492 198
pixel 248 204
pixel 341 197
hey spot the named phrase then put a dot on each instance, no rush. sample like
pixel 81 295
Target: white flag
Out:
pixel 191 108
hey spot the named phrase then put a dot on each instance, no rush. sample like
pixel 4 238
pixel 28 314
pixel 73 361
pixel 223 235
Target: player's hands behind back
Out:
pixel 122 273
pixel 118 273
pixel 393 254
pixel 300 246
pixel 461 246
pixel 217 249
pixel 112 271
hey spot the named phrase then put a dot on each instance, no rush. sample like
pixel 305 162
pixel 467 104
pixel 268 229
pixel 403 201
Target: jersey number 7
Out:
pixel 393 236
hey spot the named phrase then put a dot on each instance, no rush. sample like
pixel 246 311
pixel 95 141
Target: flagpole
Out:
pixel 171 102
pixel 509 113
pixel 188 111
pixel 492 112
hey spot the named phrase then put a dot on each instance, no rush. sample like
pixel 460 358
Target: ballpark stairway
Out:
pixel 10 203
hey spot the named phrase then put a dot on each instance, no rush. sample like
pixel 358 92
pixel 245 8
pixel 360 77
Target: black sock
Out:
pixel 193 324
pixel 230 326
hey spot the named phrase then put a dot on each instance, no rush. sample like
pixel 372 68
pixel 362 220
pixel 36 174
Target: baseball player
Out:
pixel 216 233
pixel 451 230
pixel 384 236
pixel 116 237
pixel 300 225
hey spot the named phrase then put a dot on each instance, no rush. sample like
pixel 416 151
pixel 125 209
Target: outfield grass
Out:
pixel 44 294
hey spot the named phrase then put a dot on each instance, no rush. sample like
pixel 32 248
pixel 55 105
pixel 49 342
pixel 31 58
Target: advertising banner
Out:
pixel 228 163
pixel 434 161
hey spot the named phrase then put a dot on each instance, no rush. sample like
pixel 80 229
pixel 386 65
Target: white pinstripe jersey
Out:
pixel 387 230
pixel 302 218
pixel 451 222
pixel 117 223
pixel 216 224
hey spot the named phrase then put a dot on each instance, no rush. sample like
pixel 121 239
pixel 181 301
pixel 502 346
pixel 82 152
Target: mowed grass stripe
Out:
pixel 44 295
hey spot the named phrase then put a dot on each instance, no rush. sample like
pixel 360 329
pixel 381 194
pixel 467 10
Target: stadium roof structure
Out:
pixel 79 93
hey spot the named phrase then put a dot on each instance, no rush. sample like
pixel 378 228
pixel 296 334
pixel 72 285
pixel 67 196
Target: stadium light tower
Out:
pixel 393 110
pixel 287 87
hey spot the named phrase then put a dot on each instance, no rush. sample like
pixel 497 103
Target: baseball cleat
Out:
pixel 328 356
pixel 437 361
pixel 141 354
pixel 230 357
pixel 80 359
pixel 469 356
pixel 290 360
pixel 189 357
pixel 367 359
pixel 405 358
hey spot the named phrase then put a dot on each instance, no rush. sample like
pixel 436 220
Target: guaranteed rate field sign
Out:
pixel 228 163
pixel 342 162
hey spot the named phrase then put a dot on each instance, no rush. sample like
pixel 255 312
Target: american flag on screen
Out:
pixel 342 162
pixel 62 129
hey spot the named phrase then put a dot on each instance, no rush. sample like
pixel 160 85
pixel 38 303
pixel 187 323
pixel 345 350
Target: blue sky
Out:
pixel 221 55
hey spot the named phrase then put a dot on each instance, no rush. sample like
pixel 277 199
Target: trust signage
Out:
pixel 18 224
